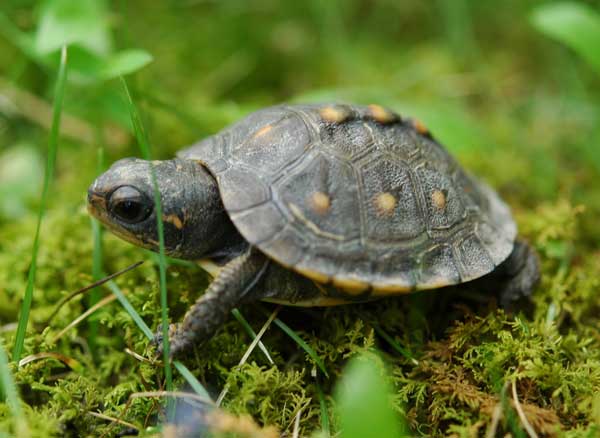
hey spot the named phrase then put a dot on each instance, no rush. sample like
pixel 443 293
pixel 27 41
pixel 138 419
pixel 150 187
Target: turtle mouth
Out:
pixel 95 203
pixel 97 207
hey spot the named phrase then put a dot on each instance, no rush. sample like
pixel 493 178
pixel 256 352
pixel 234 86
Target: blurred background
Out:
pixel 511 88
pixel 515 106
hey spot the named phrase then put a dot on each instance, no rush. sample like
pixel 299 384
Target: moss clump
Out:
pixel 461 353
pixel 516 110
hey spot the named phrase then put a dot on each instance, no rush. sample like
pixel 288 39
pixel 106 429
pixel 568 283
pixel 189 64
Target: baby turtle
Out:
pixel 316 205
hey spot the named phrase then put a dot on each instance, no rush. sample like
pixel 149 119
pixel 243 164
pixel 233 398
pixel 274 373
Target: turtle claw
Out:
pixel 157 341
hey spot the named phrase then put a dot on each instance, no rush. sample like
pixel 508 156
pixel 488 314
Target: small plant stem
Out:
pixel 52 148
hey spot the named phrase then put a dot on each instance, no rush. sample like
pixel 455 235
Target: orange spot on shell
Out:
pixel 385 203
pixel 420 127
pixel 381 115
pixel 333 114
pixel 313 275
pixel 263 130
pixel 383 289
pixel 351 286
pixel 438 199
pixel 320 202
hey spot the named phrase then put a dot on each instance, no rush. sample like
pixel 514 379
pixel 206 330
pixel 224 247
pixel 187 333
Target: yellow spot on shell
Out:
pixel 351 286
pixel 173 219
pixel 313 275
pixel 385 203
pixel 420 127
pixel 333 115
pixel 438 199
pixel 262 131
pixel 383 289
pixel 435 284
pixel 320 202
pixel 381 114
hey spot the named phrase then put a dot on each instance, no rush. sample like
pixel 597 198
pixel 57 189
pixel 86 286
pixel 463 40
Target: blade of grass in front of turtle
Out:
pixel 142 140
pixel 187 375
pixel 9 390
pixel 129 309
pixel 96 265
pixel 403 351
pixel 292 334
pixel 312 353
pixel 191 379
pixel 324 411
pixel 52 149
pixel 240 318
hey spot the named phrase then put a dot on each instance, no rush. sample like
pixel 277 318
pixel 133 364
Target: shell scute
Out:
pixel 356 196
pixel 392 209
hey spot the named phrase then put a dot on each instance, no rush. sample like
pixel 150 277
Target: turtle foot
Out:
pixel 157 341
pixel 518 275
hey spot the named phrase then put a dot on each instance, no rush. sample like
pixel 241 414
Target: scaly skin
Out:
pixel 228 289
pixel 518 275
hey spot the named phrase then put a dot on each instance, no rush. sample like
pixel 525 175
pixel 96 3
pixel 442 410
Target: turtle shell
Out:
pixel 357 197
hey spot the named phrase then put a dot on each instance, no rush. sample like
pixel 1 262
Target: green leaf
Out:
pixel 48 177
pixel 364 404
pixel 124 63
pixel 573 24
pixel 66 22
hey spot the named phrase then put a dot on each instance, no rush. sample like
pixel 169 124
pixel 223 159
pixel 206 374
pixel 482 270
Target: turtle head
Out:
pixel 193 216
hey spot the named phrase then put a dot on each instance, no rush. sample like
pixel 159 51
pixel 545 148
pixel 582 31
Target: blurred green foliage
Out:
pixel 518 109
pixel 573 24
pixel 364 401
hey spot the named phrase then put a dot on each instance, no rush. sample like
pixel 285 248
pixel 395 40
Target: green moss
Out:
pixel 516 111
pixel 464 358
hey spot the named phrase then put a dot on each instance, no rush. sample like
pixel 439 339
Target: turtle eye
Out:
pixel 129 205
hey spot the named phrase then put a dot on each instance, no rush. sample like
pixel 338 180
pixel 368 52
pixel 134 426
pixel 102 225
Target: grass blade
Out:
pixel 191 379
pixel 142 140
pixel 240 318
pixel 312 353
pixel 187 375
pixel 52 149
pixel 309 350
pixel 249 350
pixel 103 302
pixel 129 309
pixel 92 286
pixel 404 352
pixel 325 427
pixel 9 391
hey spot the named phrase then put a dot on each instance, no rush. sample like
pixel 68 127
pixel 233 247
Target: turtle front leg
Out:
pixel 518 275
pixel 233 283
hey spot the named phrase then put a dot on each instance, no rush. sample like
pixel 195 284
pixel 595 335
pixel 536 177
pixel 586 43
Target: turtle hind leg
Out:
pixel 516 277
